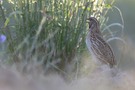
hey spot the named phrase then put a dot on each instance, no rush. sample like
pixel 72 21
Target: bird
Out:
pixel 101 50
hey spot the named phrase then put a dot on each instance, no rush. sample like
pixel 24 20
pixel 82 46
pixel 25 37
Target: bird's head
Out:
pixel 92 21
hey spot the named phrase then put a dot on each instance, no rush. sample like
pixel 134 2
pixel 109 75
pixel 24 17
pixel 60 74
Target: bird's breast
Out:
pixel 88 42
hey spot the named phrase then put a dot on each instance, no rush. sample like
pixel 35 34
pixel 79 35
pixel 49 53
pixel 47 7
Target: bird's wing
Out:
pixel 102 50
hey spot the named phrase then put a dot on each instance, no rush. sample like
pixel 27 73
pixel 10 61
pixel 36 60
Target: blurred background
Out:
pixel 127 60
pixel 126 8
pixel 43 41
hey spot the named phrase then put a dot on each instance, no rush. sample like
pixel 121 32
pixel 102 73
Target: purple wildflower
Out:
pixel 2 38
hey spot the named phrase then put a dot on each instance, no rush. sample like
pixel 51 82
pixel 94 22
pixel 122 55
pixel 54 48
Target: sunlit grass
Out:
pixel 49 32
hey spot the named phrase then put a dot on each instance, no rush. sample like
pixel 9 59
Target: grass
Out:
pixel 49 32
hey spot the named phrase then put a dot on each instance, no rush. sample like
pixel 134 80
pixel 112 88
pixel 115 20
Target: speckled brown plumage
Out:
pixel 98 47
